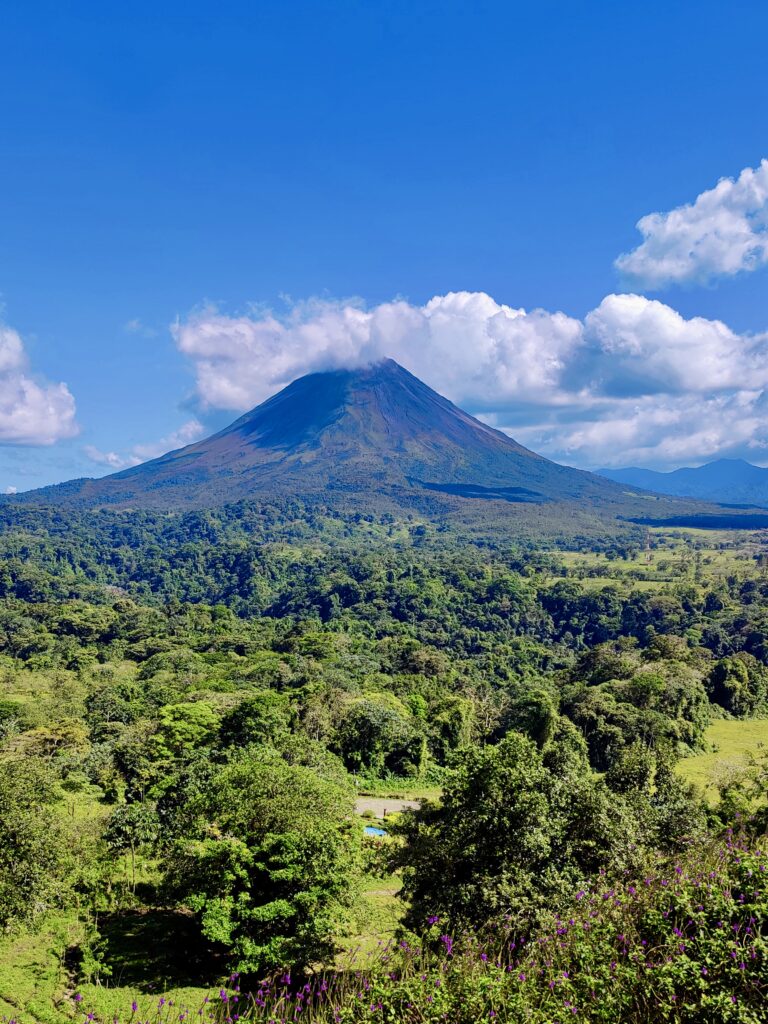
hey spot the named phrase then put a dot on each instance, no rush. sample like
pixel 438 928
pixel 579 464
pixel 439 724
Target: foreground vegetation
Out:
pixel 191 708
pixel 687 943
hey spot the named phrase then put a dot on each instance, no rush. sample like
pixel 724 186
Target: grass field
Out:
pixel 36 969
pixel 671 557
pixel 733 744
pixel 399 790
pixel 33 976
pixel 377 919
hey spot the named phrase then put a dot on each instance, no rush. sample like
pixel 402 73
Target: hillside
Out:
pixel 731 481
pixel 376 431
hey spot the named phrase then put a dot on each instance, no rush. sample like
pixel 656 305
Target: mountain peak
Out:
pixel 728 462
pixel 730 481
pixel 372 429
pixel 380 406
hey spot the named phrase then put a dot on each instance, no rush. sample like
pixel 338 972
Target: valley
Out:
pixel 371 658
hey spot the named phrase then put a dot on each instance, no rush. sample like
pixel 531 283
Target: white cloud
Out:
pixel 190 431
pixel 32 412
pixel 111 459
pixel 644 346
pixel 722 232
pixel 660 430
pixel 241 360
pixel 11 490
pixel 463 339
pixel 633 380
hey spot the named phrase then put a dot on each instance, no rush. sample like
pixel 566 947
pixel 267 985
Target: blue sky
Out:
pixel 242 171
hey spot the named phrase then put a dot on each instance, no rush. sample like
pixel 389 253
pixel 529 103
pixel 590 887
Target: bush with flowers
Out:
pixel 686 943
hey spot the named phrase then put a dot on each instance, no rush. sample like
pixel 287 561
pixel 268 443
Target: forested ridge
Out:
pixel 192 704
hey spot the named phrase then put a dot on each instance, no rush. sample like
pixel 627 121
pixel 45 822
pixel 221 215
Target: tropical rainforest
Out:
pixel 204 716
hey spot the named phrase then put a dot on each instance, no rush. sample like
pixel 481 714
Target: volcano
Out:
pixel 375 429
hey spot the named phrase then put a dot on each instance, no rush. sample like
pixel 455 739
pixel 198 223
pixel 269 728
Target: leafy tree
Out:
pixel 377 733
pixel 37 860
pixel 183 728
pixel 739 684
pixel 533 713
pixel 132 827
pixel 633 770
pixel 261 718
pixel 270 862
pixel 450 726
pixel 508 836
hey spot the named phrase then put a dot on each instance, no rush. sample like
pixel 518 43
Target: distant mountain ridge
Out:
pixel 728 481
pixel 374 430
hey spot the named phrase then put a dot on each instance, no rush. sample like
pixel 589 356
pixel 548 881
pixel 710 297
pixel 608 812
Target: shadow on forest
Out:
pixel 155 949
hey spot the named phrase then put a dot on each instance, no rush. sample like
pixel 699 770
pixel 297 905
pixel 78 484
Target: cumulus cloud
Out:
pixel 632 380
pixel 722 232
pixel 32 412
pixel 659 430
pixel 461 339
pixel 190 431
pixel 640 346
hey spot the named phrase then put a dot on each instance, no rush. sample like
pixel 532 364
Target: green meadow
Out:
pixel 733 745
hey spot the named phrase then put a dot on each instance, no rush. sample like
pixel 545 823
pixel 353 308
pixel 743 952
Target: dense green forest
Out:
pixel 193 706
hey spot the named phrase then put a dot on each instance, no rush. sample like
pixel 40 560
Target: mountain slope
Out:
pixel 372 430
pixel 731 481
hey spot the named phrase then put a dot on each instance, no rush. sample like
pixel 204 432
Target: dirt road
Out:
pixel 380 807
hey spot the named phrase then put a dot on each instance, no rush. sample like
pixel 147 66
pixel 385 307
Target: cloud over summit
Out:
pixel 632 379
